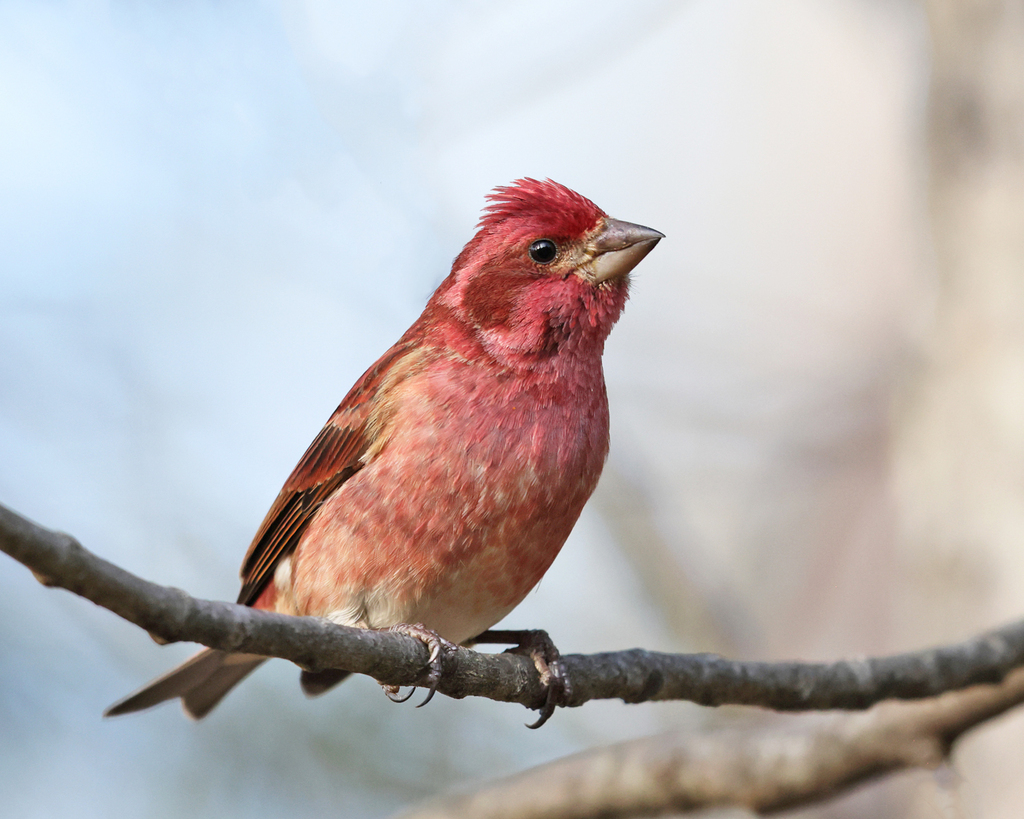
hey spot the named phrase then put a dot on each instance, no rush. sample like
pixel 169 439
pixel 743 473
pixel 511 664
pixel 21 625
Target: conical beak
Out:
pixel 619 247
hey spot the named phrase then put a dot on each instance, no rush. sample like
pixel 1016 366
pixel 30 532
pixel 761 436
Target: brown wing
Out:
pixel 332 458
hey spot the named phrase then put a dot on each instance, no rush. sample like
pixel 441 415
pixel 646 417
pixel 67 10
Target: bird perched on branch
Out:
pixel 446 482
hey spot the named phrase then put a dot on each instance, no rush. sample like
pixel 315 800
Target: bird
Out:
pixel 443 486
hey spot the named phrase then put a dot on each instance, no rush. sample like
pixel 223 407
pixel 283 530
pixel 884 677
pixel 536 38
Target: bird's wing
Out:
pixel 337 453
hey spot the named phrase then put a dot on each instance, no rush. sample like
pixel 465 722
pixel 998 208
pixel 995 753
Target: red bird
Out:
pixel 444 485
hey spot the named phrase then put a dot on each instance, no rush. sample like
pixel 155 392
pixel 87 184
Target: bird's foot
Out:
pixel 537 645
pixel 437 644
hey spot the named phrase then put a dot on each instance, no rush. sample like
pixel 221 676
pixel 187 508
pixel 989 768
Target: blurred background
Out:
pixel 215 215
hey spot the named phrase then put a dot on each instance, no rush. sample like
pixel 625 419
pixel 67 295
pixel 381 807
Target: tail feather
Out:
pixel 315 683
pixel 201 682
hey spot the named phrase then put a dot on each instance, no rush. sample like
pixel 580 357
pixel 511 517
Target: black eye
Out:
pixel 543 251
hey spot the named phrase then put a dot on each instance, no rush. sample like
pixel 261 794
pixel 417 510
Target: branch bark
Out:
pixel 636 675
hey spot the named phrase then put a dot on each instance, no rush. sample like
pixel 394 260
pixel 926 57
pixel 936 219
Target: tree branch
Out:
pixel 171 615
pixel 763 769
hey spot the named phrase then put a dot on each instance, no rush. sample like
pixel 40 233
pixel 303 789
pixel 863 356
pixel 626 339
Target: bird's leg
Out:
pixel 433 641
pixel 537 645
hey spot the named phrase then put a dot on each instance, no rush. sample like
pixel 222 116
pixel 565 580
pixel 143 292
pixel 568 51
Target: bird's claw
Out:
pixel 437 644
pixel 391 692
pixel 538 646
pixel 553 675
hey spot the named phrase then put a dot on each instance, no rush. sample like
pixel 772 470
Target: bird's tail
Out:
pixel 201 682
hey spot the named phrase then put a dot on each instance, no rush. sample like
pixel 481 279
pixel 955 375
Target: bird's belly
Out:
pixel 460 598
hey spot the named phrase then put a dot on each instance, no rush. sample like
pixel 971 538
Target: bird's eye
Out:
pixel 543 251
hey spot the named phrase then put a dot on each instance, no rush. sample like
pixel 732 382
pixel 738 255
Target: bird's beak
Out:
pixel 618 247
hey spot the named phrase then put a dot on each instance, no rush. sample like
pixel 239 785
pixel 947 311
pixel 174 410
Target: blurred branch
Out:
pixel 693 612
pixel 636 675
pixel 762 769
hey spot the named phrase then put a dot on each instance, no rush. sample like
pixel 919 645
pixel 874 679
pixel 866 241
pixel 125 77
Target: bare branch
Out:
pixel 763 770
pixel 171 615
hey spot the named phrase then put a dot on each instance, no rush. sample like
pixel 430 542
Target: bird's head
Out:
pixel 547 272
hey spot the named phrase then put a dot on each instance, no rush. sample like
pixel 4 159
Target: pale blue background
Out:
pixel 214 216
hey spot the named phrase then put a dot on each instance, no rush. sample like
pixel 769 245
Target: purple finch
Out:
pixel 446 482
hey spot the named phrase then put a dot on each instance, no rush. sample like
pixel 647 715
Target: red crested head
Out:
pixel 547 206
pixel 546 274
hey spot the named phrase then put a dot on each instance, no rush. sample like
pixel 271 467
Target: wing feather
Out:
pixel 334 456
